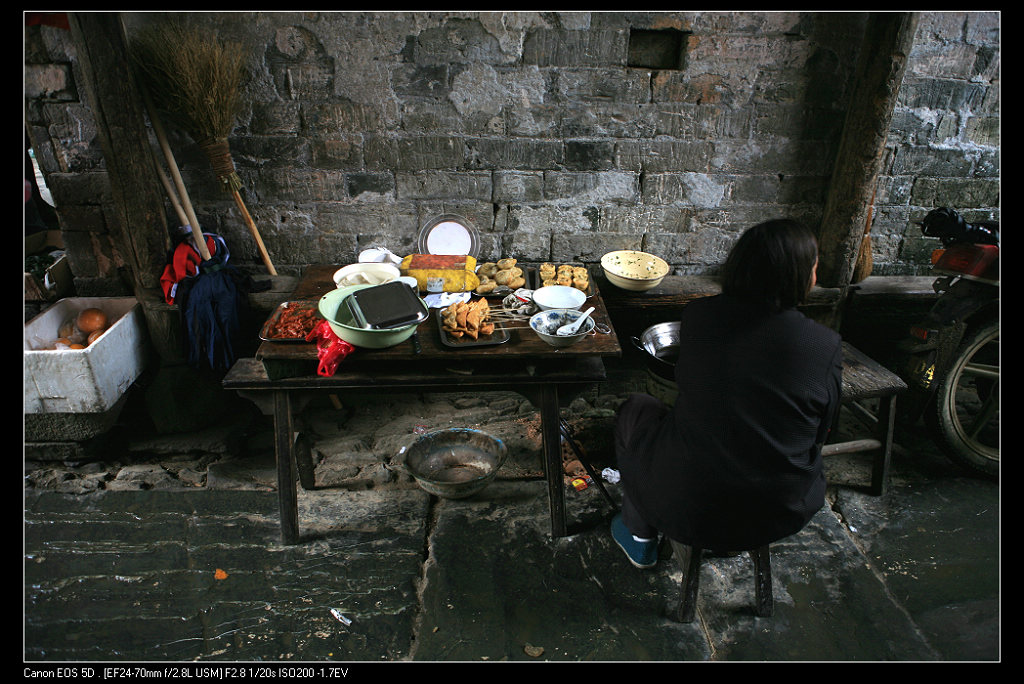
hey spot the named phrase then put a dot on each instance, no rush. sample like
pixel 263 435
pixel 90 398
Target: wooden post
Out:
pixel 140 225
pixel 121 125
pixel 885 48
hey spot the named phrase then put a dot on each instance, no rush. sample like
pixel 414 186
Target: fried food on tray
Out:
pixel 486 285
pixel 503 274
pixel 564 274
pixel 470 319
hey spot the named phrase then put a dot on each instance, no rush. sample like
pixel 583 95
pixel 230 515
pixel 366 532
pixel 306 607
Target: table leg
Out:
pixel 551 444
pixel 286 494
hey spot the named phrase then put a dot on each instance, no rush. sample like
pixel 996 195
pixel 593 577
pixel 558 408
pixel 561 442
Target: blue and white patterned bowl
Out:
pixel 546 325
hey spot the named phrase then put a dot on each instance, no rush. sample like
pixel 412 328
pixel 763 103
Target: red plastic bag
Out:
pixel 330 349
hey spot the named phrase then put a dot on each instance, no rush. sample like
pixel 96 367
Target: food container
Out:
pixel 90 380
pixel 547 323
pixel 634 270
pixel 290 322
pixel 334 309
pixel 455 463
pixel 558 272
pixel 558 297
pixel 661 343
pixel 375 273
pixel 499 336
pixel 388 306
pixel 441 272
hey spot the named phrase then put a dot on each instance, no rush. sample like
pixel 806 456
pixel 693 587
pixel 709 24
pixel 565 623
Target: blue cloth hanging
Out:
pixel 213 302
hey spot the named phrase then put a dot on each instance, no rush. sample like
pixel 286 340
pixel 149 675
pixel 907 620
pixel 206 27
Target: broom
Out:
pixel 197 80
pixel 211 302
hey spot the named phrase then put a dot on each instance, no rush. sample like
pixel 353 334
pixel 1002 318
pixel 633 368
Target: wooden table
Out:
pixel 524 364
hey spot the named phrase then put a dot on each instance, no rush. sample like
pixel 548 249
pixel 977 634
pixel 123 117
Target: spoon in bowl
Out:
pixel 571 328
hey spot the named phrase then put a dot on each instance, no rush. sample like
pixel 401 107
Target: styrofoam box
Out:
pixel 89 380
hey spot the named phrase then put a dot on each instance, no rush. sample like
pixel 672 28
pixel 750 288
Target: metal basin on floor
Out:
pixel 455 463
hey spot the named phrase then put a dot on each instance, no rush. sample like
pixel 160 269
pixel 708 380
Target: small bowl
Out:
pixel 634 270
pixel 546 324
pixel 455 463
pixel 366 273
pixel 338 316
pixel 558 297
pixel 411 282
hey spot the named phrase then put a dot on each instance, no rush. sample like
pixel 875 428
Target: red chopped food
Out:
pixel 294 321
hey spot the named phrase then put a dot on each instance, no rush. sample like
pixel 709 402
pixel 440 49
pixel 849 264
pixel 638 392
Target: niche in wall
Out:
pixel 657 48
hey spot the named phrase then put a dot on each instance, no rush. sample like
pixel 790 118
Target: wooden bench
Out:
pixel 866 381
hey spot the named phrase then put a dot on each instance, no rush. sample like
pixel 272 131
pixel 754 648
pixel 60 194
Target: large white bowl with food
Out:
pixel 558 297
pixel 634 270
pixel 366 273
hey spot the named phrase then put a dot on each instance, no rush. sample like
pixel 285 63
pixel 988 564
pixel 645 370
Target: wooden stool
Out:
pixel 690 561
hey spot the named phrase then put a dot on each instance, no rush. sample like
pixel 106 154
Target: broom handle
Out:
pixel 172 195
pixel 161 137
pixel 255 233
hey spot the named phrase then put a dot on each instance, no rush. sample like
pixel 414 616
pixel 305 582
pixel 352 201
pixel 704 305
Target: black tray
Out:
pixel 391 305
pixel 499 336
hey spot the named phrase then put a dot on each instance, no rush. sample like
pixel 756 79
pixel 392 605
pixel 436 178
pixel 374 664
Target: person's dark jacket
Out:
pixel 737 462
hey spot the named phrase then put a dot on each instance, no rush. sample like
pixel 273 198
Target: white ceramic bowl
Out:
pixel 633 270
pixel 366 273
pixel 411 282
pixel 558 297
pixel 546 324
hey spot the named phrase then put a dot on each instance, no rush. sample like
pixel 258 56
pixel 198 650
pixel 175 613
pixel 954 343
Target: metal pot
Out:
pixel 661 344
pixel 455 463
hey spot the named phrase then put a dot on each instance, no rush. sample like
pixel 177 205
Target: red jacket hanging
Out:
pixel 184 262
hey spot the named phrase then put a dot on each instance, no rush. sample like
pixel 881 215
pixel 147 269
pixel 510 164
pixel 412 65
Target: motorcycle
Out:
pixel 952 368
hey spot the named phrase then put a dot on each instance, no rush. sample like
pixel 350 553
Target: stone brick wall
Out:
pixel 943 147
pixel 560 135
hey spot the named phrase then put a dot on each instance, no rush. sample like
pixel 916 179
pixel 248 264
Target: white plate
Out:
pixel 449 234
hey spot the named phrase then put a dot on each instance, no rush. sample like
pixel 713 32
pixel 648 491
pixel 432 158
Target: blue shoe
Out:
pixel 641 554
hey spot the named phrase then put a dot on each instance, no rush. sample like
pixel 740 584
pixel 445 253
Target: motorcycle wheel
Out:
pixel 964 418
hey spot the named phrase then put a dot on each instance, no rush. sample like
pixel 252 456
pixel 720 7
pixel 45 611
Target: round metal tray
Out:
pixel 449 234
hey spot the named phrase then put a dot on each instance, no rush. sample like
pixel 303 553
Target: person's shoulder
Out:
pixel 700 305
pixel 712 303
pixel 808 327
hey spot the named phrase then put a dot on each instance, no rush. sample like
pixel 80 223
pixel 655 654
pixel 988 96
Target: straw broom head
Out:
pixel 197 80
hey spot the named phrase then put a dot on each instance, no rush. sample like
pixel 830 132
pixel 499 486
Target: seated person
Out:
pixel 736 462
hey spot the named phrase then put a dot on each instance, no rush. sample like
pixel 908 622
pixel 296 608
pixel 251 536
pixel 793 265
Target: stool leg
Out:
pixel 689 561
pixel 886 425
pixel 765 600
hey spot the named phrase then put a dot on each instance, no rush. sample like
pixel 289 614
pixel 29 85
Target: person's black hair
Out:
pixel 771 264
